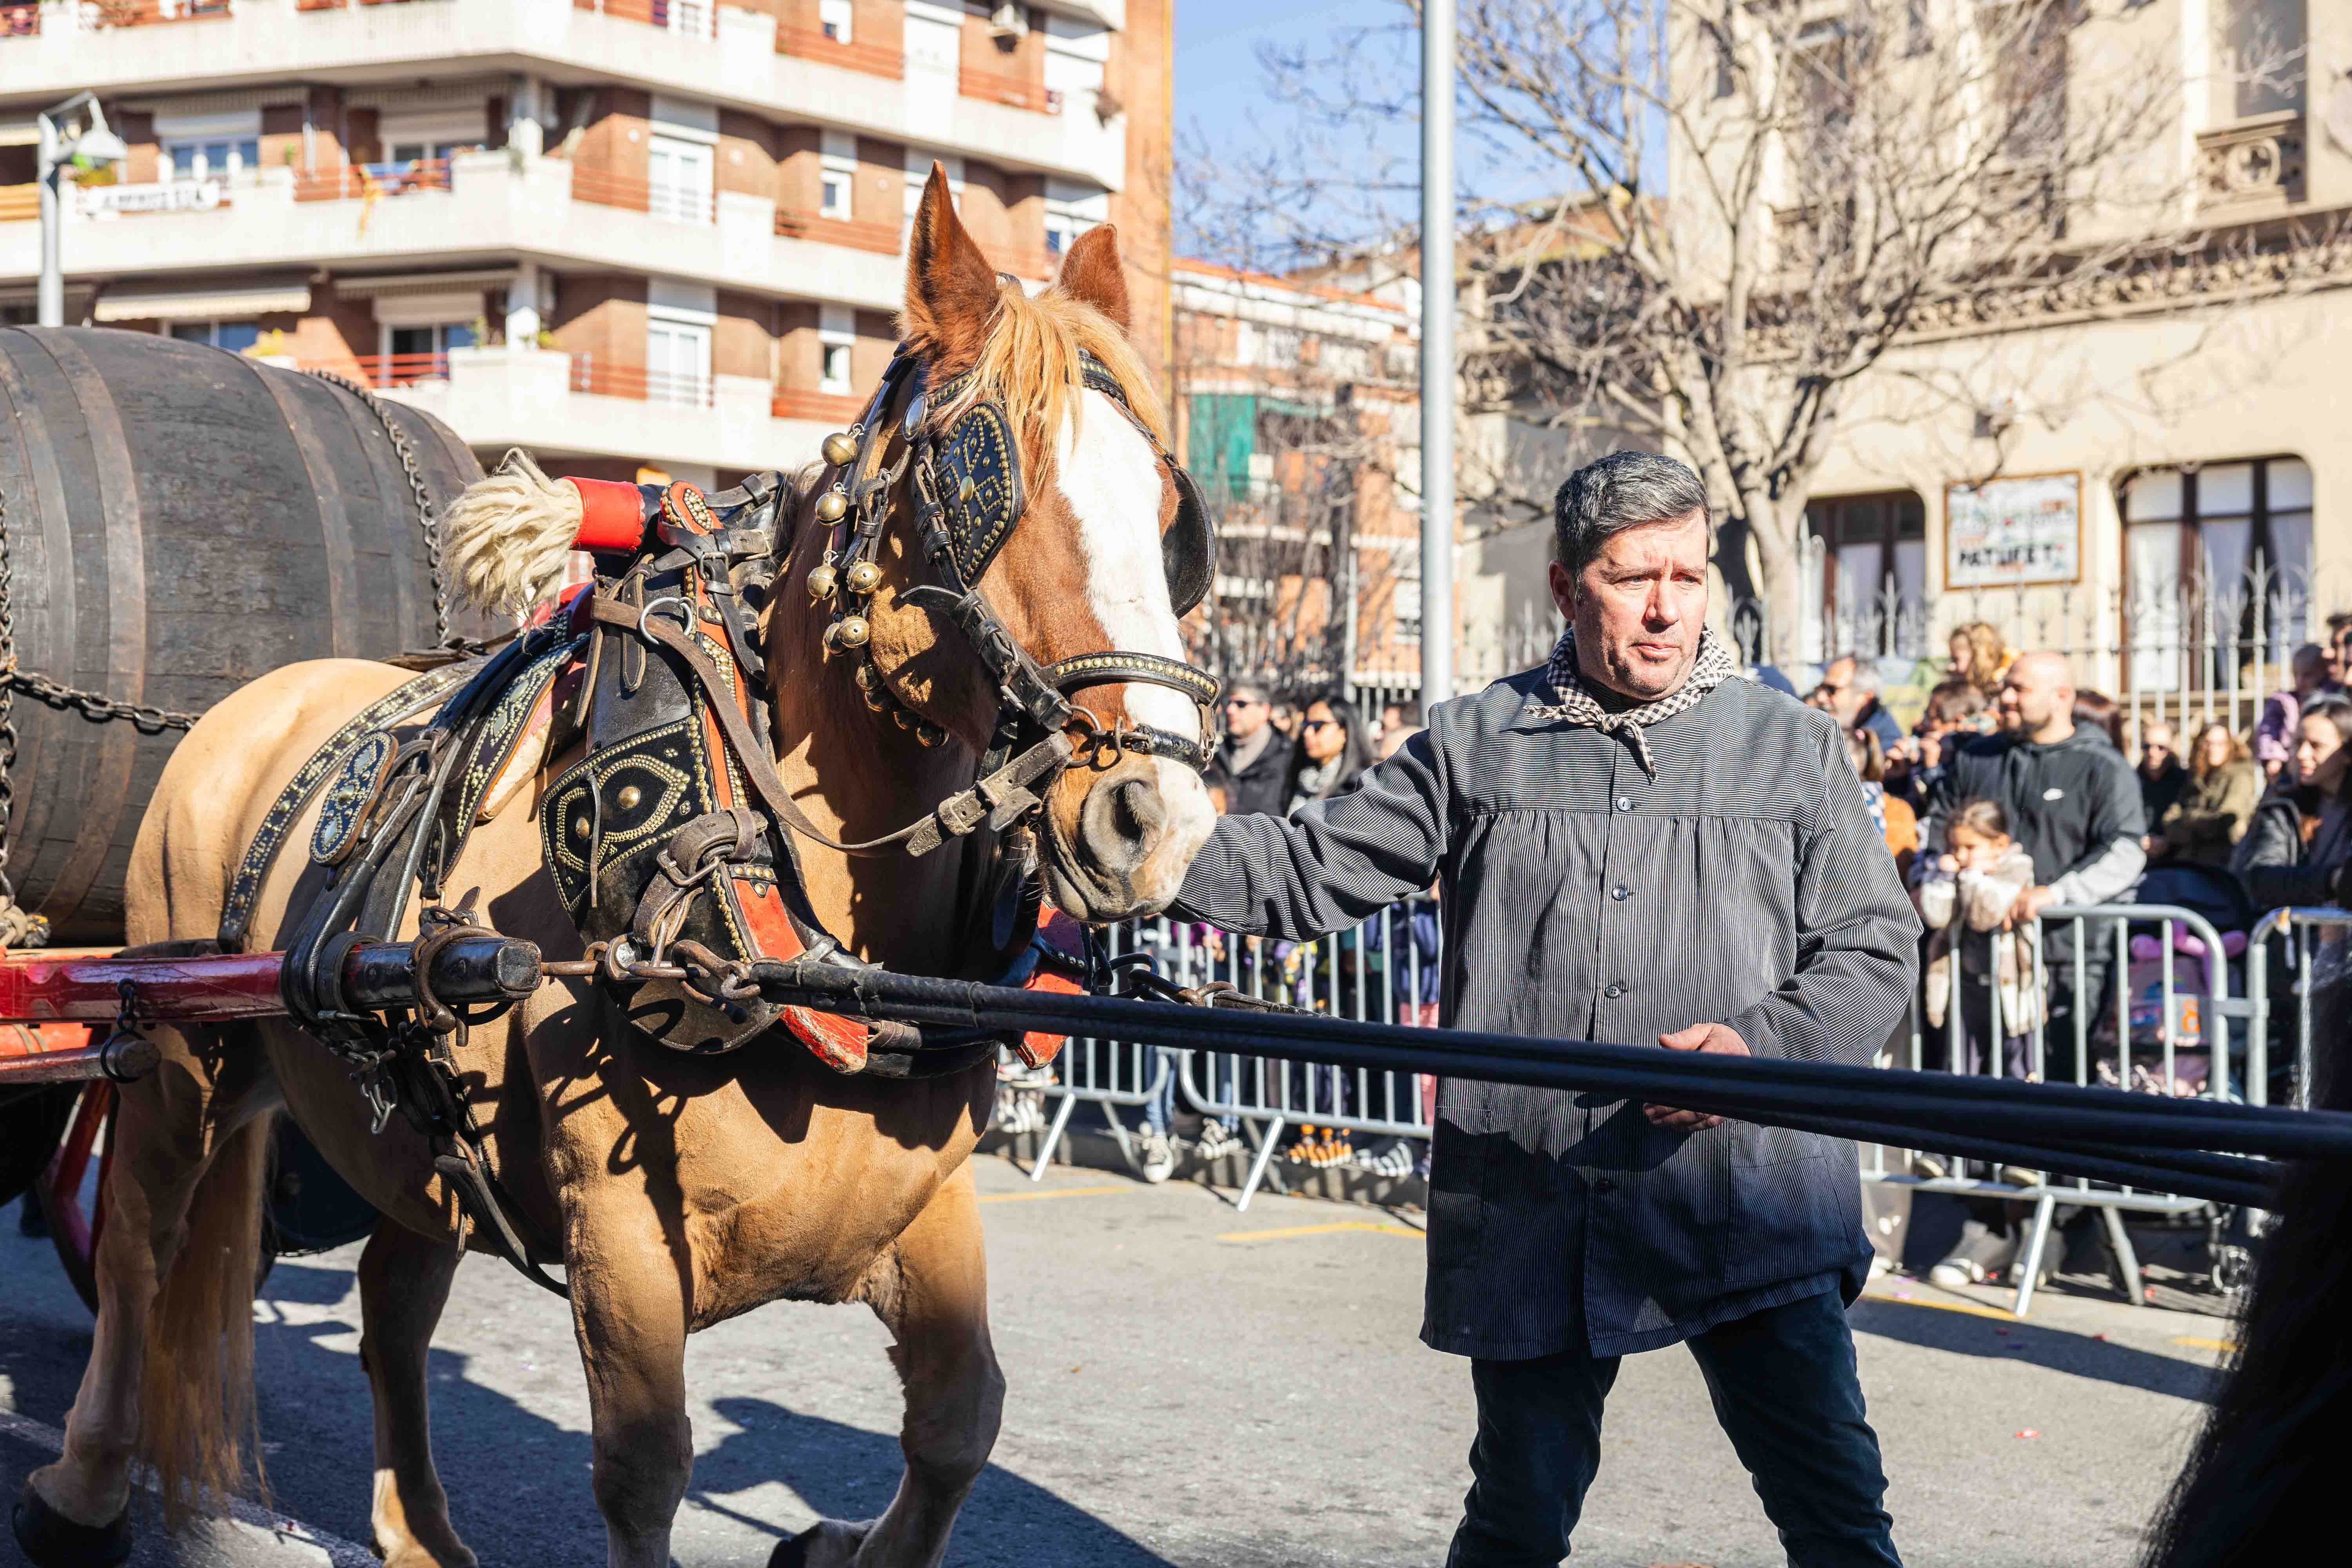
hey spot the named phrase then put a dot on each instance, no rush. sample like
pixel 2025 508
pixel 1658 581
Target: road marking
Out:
pixel 339 1553
pixel 2205 1344
pixel 1375 1228
pixel 1970 1308
pixel 1055 1193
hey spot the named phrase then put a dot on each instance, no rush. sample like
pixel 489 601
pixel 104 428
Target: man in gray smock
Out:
pixel 1636 845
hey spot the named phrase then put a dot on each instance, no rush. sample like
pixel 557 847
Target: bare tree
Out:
pixel 1765 198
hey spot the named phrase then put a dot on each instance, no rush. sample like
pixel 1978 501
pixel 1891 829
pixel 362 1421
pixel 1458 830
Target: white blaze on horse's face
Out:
pixel 1115 484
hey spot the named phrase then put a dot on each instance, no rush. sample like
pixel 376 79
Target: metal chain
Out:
pixel 17 929
pixel 426 522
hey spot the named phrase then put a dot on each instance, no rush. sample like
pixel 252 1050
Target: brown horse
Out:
pixel 684 1189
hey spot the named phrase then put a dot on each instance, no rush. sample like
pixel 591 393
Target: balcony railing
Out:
pixel 357 180
pixel 1017 91
pixel 20 21
pixel 590 375
pixel 680 204
pixel 145 13
pixel 692 18
pixel 339 5
pixel 1023 263
pixel 881 238
pixel 382 370
pixel 19 204
pixel 809 44
pixel 798 402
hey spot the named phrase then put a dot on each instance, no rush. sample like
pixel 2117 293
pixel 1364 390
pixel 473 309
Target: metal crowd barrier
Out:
pixel 1348 974
pixel 2153 1021
pixel 2298 928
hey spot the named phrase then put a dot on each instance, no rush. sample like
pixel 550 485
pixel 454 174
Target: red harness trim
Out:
pixel 612 516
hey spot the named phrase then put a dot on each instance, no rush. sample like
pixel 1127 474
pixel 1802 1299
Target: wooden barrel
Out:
pixel 179 521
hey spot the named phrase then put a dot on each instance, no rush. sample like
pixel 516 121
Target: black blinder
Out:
pixel 1188 550
pixel 979 472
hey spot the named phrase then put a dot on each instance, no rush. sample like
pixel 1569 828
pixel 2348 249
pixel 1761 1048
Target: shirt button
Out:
pixel 1624 803
pixel 1621 892
pixel 1614 992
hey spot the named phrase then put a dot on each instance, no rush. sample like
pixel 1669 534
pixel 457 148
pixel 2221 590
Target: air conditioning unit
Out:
pixel 1010 21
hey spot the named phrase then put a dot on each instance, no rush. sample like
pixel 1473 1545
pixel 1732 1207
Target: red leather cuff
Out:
pixel 612 515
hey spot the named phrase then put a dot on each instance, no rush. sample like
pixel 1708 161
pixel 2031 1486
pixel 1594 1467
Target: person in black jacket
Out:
pixel 2301 838
pixel 1252 762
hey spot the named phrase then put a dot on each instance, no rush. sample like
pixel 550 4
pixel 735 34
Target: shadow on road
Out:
pixel 1965 1333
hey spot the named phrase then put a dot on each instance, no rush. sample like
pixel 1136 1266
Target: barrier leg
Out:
pixel 2036 1240
pixel 2126 1260
pixel 1266 1141
pixel 1052 1137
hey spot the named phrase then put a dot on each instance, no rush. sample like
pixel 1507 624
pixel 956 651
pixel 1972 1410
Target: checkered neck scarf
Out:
pixel 1577 705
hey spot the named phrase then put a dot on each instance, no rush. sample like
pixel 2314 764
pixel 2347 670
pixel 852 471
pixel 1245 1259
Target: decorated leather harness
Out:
pixel 671 840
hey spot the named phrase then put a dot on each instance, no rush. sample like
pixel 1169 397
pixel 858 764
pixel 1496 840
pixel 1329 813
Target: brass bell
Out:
pixel 832 506
pixel 851 631
pixel 875 699
pixel 868 678
pixel 900 716
pixel 928 734
pixel 820 580
pixel 863 576
pixel 840 448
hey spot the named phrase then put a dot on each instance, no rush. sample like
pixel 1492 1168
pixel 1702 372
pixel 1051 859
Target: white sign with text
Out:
pixel 2013 531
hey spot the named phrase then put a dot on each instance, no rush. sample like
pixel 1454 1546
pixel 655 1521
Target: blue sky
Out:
pixel 1219 85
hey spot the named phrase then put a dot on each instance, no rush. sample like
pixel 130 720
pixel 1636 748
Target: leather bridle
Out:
pixel 1039 733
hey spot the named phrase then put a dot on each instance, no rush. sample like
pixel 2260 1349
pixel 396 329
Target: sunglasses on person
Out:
pixel 1246 702
pixel 1321 724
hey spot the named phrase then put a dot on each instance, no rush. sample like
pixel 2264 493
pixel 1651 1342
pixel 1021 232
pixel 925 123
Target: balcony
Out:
pixel 676 203
pixel 881 238
pixel 1016 92
pixel 20 203
pixel 572 404
pixel 97 15
pixel 872 59
pixel 2250 167
pixel 386 372
pixel 601 378
pixel 360 182
pixel 687 18
pixel 829 407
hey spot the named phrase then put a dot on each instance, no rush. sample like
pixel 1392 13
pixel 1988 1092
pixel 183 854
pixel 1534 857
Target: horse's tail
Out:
pixel 196 1401
pixel 506 537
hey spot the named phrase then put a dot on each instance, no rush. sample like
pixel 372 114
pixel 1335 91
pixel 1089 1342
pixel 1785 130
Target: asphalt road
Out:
pixel 1188 1386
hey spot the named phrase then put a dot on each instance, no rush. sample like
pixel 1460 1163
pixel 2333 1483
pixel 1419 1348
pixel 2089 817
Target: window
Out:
pixel 1875 592
pixel 234 336
pixel 836 335
pixel 2260 56
pixel 1071 209
pixel 678 362
pixel 678 179
pixel 837 176
pixel 836 17
pixel 439 338
pixel 2217 553
pixel 232 158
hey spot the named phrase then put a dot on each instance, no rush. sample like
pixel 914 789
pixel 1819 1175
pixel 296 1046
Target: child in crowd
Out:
pixel 1974 884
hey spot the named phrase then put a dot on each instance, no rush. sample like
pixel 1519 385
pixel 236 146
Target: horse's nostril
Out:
pixel 1138 811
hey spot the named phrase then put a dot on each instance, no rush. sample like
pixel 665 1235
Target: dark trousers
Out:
pixel 1785 1390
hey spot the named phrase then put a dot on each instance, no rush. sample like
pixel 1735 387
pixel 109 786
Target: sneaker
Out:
pixel 1155 1156
pixel 1302 1152
pixel 1216 1141
pixel 1393 1162
pixel 1980 1251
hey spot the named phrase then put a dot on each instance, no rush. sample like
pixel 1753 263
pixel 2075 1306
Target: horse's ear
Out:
pixel 1091 274
pixel 950 288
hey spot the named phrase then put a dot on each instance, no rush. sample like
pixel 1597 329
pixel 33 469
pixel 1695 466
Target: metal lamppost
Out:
pixel 95 147
pixel 1436 351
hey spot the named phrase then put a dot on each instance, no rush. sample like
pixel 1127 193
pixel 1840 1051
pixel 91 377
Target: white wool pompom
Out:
pixel 505 538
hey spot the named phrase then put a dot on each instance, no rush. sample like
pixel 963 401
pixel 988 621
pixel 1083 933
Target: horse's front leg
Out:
pixel 629 1311
pixel 931 1292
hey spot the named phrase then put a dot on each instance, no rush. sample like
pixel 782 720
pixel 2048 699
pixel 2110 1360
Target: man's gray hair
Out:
pixel 1865 672
pixel 1621 490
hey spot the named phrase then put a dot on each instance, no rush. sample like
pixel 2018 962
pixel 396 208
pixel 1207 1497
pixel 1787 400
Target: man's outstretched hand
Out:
pixel 1705 1037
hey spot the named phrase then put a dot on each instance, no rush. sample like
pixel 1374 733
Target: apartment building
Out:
pixel 1298 408
pixel 625 234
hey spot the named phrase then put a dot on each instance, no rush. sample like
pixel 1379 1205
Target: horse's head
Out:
pixel 1034 435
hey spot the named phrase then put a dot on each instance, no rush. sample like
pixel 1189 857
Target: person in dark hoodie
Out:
pixel 1252 762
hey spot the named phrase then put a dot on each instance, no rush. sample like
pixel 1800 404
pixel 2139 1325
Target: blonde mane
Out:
pixel 1030 367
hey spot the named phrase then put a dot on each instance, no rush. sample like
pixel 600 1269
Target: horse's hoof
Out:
pixel 49 1539
pixel 825 1544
